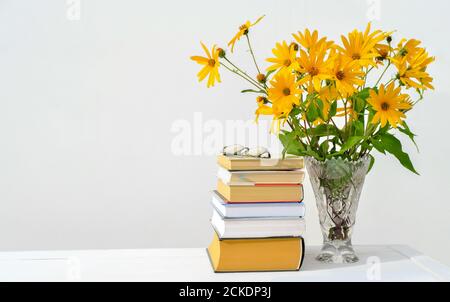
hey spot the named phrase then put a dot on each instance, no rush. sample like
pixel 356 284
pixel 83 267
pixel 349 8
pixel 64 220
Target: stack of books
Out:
pixel 258 215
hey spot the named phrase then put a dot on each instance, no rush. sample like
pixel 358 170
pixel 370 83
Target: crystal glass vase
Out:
pixel 337 185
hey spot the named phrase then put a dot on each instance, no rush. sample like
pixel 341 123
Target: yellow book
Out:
pixel 239 178
pixel 260 193
pixel 238 163
pixel 253 255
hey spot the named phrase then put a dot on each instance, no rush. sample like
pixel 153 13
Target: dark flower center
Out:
pixel 286 91
pixel 356 56
pixel 340 75
pixel 244 28
pixel 314 71
pixel 384 106
pixel 212 62
pixel 287 63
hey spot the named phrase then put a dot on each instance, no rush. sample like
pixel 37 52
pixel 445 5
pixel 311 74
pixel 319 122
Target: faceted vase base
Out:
pixel 337 252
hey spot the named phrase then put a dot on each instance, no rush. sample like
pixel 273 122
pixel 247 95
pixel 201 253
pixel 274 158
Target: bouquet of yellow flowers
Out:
pixel 320 95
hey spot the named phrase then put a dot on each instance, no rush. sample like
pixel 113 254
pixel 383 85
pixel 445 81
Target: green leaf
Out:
pixel 384 130
pixel 312 113
pixel 405 130
pixel 350 143
pixel 392 145
pixel 295 111
pixel 358 127
pixel 320 109
pixel 360 104
pixel 333 109
pixel 291 144
pixel 378 146
pixel 323 130
pixel 295 147
pixel 324 147
pixel 320 104
pixel 311 153
pixel 363 94
pixel 252 91
pixel 269 73
pixel 372 162
pixel 359 100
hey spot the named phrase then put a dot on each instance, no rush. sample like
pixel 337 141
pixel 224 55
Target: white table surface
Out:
pixel 377 263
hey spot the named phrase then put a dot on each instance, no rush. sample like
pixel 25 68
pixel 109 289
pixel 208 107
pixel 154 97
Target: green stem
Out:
pixel 242 76
pixel 337 128
pixel 369 129
pixel 345 113
pixel 365 77
pixel 250 79
pixel 368 134
pixel 251 52
pixel 307 126
pixel 384 72
pixel 393 79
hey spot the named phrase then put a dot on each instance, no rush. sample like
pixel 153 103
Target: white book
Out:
pixel 257 210
pixel 231 228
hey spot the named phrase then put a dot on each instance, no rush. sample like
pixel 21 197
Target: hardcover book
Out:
pixel 245 178
pixel 261 193
pixel 255 255
pixel 238 163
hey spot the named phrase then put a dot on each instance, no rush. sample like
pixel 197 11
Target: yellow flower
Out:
pixel 284 93
pixel 315 67
pixel 389 105
pixel 347 75
pixel 409 48
pixel 412 70
pixel 311 40
pixel 263 108
pixel 421 60
pixel 285 57
pixel 383 52
pixel 360 46
pixel 243 30
pixel 411 62
pixel 211 65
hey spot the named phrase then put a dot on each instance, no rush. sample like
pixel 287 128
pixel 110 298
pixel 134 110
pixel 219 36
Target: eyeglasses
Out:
pixel 238 150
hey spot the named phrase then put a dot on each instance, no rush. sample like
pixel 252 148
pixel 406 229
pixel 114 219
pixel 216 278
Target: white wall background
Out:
pixel 87 106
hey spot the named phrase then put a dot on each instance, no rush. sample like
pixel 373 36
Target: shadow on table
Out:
pixel 371 258
pixel 366 255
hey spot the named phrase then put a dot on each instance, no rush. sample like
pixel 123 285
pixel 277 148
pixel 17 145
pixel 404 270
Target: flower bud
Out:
pixel 403 52
pixel 389 39
pixel 221 52
pixel 262 100
pixel 294 46
pixel 261 78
